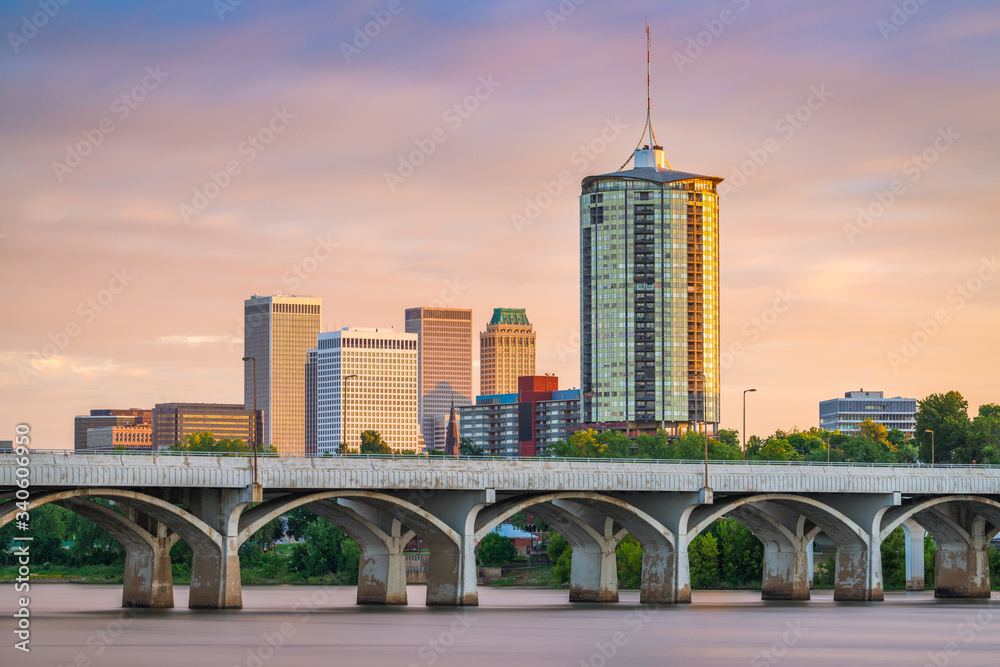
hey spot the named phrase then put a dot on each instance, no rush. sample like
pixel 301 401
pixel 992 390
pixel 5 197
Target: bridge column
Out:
pixel 961 566
pixel 149 577
pixel 451 568
pixel 382 566
pixel 594 570
pixel 914 534
pixel 787 537
pixel 215 574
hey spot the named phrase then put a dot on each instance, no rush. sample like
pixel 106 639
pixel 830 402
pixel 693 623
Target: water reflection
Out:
pixel 84 625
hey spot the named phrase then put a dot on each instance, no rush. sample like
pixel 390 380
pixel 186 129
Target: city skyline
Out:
pixel 439 165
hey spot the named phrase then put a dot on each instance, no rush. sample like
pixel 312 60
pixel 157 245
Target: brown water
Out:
pixel 84 625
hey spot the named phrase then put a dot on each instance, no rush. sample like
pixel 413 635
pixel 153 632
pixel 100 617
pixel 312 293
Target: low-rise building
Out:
pixel 106 417
pixel 521 424
pixel 847 414
pixel 130 436
pixel 172 422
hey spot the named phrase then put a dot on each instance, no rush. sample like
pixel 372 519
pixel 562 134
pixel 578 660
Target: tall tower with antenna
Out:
pixel 649 293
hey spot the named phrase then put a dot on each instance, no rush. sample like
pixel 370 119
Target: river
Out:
pixel 83 625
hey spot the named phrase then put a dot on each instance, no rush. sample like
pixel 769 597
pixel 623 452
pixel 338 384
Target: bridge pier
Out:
pixel 381 538
pixel 215 574
pixel 914 541
pixel 149 577
pixel 451 568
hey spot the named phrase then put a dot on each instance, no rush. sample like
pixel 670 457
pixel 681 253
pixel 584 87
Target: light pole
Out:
pixel 704 422
pixel 255 432
pixel 932 445
pixel 343 408
pixel 745 423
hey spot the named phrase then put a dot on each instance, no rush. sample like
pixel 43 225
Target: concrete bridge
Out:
pixel 453 503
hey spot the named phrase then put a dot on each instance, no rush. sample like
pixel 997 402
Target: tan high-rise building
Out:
pixel 445 364
pixel 279 332
pixel 506 351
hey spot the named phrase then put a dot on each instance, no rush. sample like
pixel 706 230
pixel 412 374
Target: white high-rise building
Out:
pixel 366 379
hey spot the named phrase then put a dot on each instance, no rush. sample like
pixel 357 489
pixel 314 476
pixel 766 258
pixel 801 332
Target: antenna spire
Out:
pixel 653 144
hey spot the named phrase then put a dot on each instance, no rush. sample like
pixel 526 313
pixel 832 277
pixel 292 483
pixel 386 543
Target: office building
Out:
pixel 106 417
pixel 846 414
pixel 445 363
pixel 172 422
pixel 131 436
pixel 649 295
pixel 506 351
pixel 523 423
pixel 278 332
pixel 366 379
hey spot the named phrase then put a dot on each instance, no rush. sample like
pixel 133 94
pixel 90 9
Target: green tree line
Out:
pixel 957 439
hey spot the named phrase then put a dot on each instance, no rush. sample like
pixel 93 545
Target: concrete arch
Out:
pixel 962 526
pixel 376 523
pixel 974 503
pixel 594 523
pixel 148 580
pixel 830 520
pixel 199 535
pixel 428 526
pixel 624 513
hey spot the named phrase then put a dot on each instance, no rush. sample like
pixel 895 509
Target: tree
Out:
pixel 873 431
pixel 206 442
pixel 372 443
pixel 628 555
pixel 297 522
pixel 561 553
pixel 495 550
pixel 741 554
pixel 948 416
pixel 466 447
pixel 322 552
pixel 703 558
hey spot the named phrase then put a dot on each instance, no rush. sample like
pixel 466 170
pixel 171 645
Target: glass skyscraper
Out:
pixel 445 362
pixel 649 296
pixel 279 331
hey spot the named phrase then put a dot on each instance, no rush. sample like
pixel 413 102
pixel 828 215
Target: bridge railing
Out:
pixel 536 459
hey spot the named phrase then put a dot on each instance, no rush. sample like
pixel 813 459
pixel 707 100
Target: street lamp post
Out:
pixel 932 445
pixel 745 423
pixel 343 408
pixel 257 493
pixel 704 422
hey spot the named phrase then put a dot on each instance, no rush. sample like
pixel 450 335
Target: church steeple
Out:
pixel 451 440
pixel 648 155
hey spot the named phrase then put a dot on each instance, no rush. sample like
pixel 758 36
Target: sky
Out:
pixel 163 161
